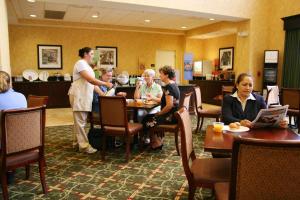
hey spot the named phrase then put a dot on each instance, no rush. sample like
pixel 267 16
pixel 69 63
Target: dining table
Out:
pixel 222 142
pixel 135 105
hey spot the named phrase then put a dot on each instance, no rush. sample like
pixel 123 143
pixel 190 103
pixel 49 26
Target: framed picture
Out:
pixel 271 56
pixel 108 56
pixel 226 58
pixel 49 56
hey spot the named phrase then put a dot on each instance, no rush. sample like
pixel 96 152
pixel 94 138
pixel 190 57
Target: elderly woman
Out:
pixel 150 90
pixel 9 99
pixel 169 105
pixel 243 106
pixel 81 96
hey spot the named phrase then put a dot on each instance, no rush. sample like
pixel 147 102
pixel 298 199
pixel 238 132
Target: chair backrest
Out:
pixel 187 150
pixel 264 169
pixel 113 111
pixel 227 89
pixel 198 100
pixel 186 100
pixel 291 97
pixel 22 129
pixel 33 100
pixel 272 95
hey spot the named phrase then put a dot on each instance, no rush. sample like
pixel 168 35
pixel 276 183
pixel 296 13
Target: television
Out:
pixel 270 75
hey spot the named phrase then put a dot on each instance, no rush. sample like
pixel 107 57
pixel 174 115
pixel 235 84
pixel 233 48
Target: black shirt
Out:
pixel 172 90
pixel 232 109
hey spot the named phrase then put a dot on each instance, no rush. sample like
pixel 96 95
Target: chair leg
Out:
pixel 198 120
pixel 4 185
pixel 192 190
pixel 42 175
pixel 202 119
pixel 103 147
pixel 127 148
pixel 176 143
pixel 27 168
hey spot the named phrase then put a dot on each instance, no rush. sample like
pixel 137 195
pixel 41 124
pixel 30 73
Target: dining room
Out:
pixel 120 99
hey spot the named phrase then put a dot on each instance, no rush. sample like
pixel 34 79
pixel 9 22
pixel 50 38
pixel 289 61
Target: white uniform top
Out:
pixel 81 89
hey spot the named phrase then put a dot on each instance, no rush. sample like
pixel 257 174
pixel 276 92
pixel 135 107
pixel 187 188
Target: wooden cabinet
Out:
pixel 57 91
pixel 210 89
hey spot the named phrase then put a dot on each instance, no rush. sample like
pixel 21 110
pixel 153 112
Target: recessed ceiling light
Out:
pixel 147 20
pixel 31 1
pixel 211 19
pixel 32 15
pixel 95 15
pixel 183 27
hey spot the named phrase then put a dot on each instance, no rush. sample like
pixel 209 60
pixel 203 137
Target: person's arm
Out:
pixel 227 115
pixel 93 80
pixel 157 98
pixel 137 92
pixel 168 107
pixel 99 91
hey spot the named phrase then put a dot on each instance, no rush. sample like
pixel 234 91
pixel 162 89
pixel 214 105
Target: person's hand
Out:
pixel 246 123
pixel 108 84
pixel 123 94
pixel 283 124
pixel 149 97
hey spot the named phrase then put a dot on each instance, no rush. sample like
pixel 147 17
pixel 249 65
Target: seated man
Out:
pixel 105 76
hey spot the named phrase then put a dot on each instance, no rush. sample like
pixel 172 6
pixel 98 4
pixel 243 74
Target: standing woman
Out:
pixel 81 96
pixel 169 105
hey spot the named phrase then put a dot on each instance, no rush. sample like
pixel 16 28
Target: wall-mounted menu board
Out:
pixel 271 56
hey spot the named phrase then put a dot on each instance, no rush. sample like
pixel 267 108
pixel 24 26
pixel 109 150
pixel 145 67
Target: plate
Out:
pixel 30 75
pixel 43 76
pixel 241 129
pixel 150 103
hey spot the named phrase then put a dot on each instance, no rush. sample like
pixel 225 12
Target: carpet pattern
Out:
pixel 73 175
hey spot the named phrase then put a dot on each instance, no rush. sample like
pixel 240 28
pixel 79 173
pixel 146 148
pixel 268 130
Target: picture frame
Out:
pixel 226 58
pixel 108 56
pixel 49 56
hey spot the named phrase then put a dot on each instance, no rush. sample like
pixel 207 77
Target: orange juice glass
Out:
pixel 218 127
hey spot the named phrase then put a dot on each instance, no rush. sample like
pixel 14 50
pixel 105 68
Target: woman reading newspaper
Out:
pixel 242 107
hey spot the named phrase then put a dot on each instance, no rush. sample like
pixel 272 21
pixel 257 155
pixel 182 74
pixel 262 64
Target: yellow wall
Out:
pixel 131 46
pixel 211 46
pixel 195 46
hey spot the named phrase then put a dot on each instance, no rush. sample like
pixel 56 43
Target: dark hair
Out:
pixel 239 79
pixel 84 50
pixel 168 70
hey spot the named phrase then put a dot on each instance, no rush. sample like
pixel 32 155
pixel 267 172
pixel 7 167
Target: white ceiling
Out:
pixel 112 13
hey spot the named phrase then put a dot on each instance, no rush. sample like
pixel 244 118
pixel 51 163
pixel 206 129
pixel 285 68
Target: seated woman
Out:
pixel 243 105
pixel 102 90
pixel 150 91
pixel 169 105
pixel 9 99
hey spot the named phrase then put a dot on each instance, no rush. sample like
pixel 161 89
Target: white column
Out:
pixel 4 41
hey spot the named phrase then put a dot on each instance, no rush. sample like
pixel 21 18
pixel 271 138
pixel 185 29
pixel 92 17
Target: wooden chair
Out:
pixel 33 100
pixel 291 97
pixel 262 169
pixel 174 128
pixel 113 121
pixel 199 172
pixel 202 113
pixel 22 142
pixel 272 99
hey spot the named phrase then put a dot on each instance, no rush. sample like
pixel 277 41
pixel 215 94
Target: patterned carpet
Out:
pixel 74 175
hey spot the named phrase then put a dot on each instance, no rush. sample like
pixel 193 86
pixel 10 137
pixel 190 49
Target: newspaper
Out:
pixel 270 117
